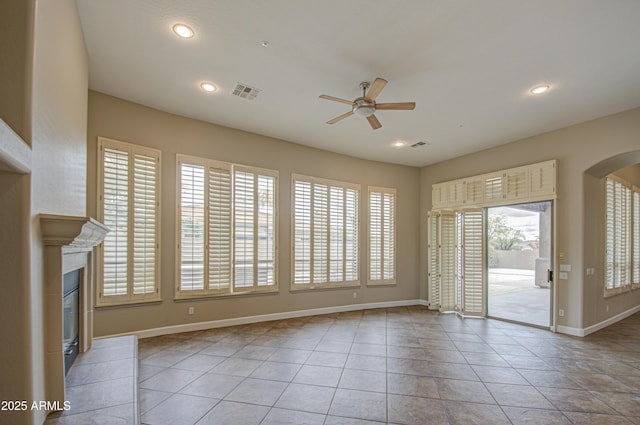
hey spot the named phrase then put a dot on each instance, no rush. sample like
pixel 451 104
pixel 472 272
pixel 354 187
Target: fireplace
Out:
pixel 70 316
pixel 68 263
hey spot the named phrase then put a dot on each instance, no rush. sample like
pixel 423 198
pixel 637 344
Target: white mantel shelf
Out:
pixel 15 154
pixel 72 232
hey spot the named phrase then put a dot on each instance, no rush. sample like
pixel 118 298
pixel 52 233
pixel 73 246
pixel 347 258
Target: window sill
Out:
pixel 382 283
pixel 186 297
pixel 124 304
pixel 323 286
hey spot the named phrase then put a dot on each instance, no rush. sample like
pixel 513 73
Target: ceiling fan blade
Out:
pixel 404 106
pixel 336 99
pixel 341 117
pixel 375 124
pixel 375 89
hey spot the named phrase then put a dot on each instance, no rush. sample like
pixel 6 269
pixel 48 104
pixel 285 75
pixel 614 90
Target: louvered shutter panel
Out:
pixel 320 233
pixel 458 261
pixel 382 235
pixel 302 232
pixel 243 203
pixel 636 238
pixel 375 236
pixel 336 241
pixel 447 261
pixel 493 187
pixel 219 243
pixel 266 245
pixel 516 183
pixel 192 227
pixel 623 233
pixel 610 243
pixel 389 235
pixel 473 263
pixel 475 192
pixel 433 264
pixel 116 217
pixel 352 247
pixel 456 193
pixel 145 221
pixel 542 178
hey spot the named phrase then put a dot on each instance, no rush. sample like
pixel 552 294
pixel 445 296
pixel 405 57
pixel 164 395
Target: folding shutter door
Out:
pixel 433 225
pixel 447 261
pixel 473 263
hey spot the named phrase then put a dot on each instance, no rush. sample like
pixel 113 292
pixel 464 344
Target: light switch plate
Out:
pixel 565 267
pixel 563 275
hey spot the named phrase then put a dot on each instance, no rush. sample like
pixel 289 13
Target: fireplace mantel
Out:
pixel 72 232
pixel 68 245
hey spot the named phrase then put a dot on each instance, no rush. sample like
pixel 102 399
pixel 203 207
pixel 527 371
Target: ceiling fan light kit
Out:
pixel 366 106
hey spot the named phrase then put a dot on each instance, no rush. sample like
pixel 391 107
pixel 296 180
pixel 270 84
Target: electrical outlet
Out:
pixel 561 312
pixel 192 311
pixel 355 295
pixel 607 307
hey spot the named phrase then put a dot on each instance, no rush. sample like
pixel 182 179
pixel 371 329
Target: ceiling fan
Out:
pixel 366 105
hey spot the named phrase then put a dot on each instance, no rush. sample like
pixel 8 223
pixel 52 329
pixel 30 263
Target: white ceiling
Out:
pixel 468 65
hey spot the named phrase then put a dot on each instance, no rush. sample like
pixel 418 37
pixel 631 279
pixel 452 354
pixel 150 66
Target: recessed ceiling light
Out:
pixel 540 89
pixel 207 86
pixel 183 31
pixel 399 143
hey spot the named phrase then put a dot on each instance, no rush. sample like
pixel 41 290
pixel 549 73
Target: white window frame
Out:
pixel 382 222
pixel 229 288
pixel 130 297
pixel 350 271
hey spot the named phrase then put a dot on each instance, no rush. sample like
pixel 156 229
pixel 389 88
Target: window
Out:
pixel 129 199
pixel 382 235
pixel 325 233
pixel 227 228
pixel 618 236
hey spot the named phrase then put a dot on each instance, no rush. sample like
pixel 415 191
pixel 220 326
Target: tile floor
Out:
pixel 399 366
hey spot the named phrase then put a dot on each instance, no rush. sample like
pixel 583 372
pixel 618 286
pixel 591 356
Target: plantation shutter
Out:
pixel 351 268
pixel 325 232
pixel 129 195
pixel 447 261
pixel 516 182
pixel 636 238
pixel 382 235
pixel 493 187
pixel 302 232
pixel 145 222
pixel 473 263
pixel 192 227
pixel 115 217
pixel 618 237
pixel 320 233
pixel 542 178
pixel 254 228
pixel 219 245
pixel 243 203
pixel 433 264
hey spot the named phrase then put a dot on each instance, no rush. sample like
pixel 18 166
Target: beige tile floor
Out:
pixel 398 366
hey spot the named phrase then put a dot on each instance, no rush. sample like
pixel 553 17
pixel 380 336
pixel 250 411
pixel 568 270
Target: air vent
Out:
pixel 418 144
pixel 246 92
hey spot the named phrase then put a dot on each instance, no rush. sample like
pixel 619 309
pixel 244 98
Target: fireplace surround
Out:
pixel 68 247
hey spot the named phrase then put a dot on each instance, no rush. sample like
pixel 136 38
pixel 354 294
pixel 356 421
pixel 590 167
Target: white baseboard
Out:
pixel 601 325
pixel 199 326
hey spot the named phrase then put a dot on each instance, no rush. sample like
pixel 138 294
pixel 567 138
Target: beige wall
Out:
pixel 630 174
pixel 16 45
pixel 52 109
pixel 59 128
pixel 121 120
pixel 16 41
pixel 577 148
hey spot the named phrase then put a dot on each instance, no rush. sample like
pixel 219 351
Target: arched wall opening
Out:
pixel 598 308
